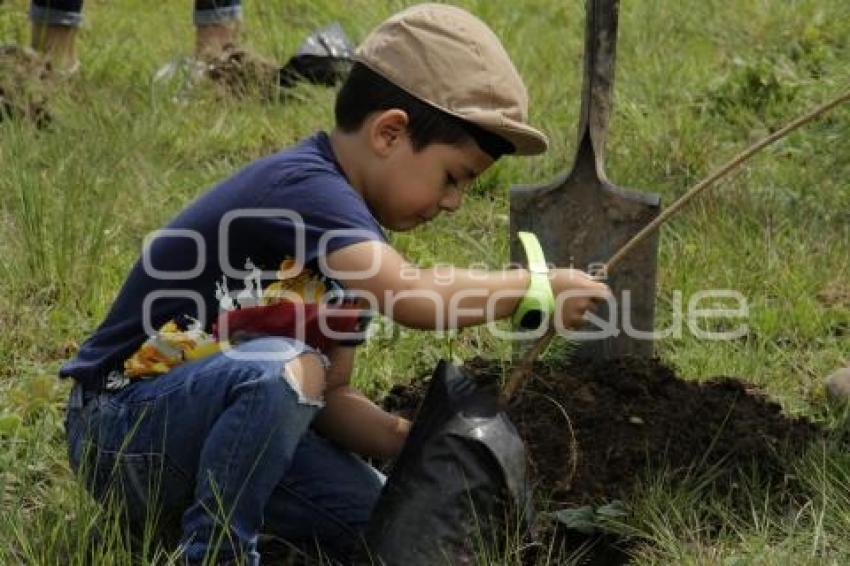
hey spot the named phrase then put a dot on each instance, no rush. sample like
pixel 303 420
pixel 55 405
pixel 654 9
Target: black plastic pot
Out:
pixel 459 482
pixel 324 58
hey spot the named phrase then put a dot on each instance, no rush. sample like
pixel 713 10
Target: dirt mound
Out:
pixel 25 81
pixel 240 73
pixel 593 429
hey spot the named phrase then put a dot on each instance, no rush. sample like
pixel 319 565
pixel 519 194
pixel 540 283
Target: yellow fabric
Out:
pixel 306 287
pixel 165 350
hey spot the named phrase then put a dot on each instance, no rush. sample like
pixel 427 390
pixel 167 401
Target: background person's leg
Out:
pixel 54 30
pixel 325 499
pixel 216 26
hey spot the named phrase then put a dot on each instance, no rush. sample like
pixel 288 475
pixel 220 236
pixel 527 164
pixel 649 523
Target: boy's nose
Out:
pixel 451 201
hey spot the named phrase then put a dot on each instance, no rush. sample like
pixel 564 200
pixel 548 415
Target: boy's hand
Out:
pixel 582 293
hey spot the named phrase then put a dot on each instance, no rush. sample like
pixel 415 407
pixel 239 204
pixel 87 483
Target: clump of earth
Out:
pixel 25 82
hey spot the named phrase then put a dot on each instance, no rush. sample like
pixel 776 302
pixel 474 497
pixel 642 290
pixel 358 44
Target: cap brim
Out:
pixel 525 139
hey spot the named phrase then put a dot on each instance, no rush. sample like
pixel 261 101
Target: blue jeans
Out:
pixel 223 448
pixel 70 12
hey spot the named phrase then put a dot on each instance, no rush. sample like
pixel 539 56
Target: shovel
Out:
pixel 581 218
pixel 522 372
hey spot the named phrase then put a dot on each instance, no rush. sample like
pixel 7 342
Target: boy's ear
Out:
pixel 387 130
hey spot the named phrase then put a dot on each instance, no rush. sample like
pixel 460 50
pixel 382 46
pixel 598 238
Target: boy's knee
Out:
pixel 306 374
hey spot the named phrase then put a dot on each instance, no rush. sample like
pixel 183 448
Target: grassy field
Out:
pixel 696 81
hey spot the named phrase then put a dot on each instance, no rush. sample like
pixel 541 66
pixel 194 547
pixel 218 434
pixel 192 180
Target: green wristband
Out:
pixel 538 300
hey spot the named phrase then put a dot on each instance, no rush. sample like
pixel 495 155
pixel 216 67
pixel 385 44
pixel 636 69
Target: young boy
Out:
pixel 260 437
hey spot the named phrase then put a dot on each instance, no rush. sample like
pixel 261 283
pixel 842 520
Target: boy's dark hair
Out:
pixel 365 91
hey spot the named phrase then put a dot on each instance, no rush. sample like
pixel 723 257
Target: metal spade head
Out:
pixel 581 218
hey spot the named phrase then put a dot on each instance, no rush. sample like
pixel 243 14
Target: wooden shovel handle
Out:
pixel 522 372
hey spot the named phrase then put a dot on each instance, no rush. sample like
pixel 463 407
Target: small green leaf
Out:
pixel 588 520
pixel 614 510
pixel 581 519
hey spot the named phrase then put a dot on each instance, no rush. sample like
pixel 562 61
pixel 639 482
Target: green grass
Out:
pixel 696 81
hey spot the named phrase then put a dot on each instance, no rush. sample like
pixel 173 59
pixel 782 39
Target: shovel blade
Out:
pixel 581 220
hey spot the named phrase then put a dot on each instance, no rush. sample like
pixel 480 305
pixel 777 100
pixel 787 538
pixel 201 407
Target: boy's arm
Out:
pixel 351 419
pixel 444 298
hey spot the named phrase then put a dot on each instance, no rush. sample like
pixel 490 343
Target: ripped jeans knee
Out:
pixel 306 375
pixel 302 368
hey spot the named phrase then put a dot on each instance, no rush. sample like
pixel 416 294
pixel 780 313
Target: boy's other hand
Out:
pixel 582 293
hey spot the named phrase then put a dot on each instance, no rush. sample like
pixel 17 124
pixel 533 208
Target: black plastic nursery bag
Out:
pixel 324 58
pixel 458 481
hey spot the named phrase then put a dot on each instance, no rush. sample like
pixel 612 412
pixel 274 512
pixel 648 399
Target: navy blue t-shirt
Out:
pixel 294 204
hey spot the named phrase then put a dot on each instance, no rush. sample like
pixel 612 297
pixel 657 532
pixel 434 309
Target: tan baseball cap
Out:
pixel 450 59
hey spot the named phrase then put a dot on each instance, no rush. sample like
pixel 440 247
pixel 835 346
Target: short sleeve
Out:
pixel 318 216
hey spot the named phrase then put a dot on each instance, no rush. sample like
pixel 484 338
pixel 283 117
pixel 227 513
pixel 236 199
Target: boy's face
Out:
pixel 407 188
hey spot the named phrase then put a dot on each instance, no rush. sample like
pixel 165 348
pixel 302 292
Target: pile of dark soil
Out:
pixel 593 429
pixel 239 73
